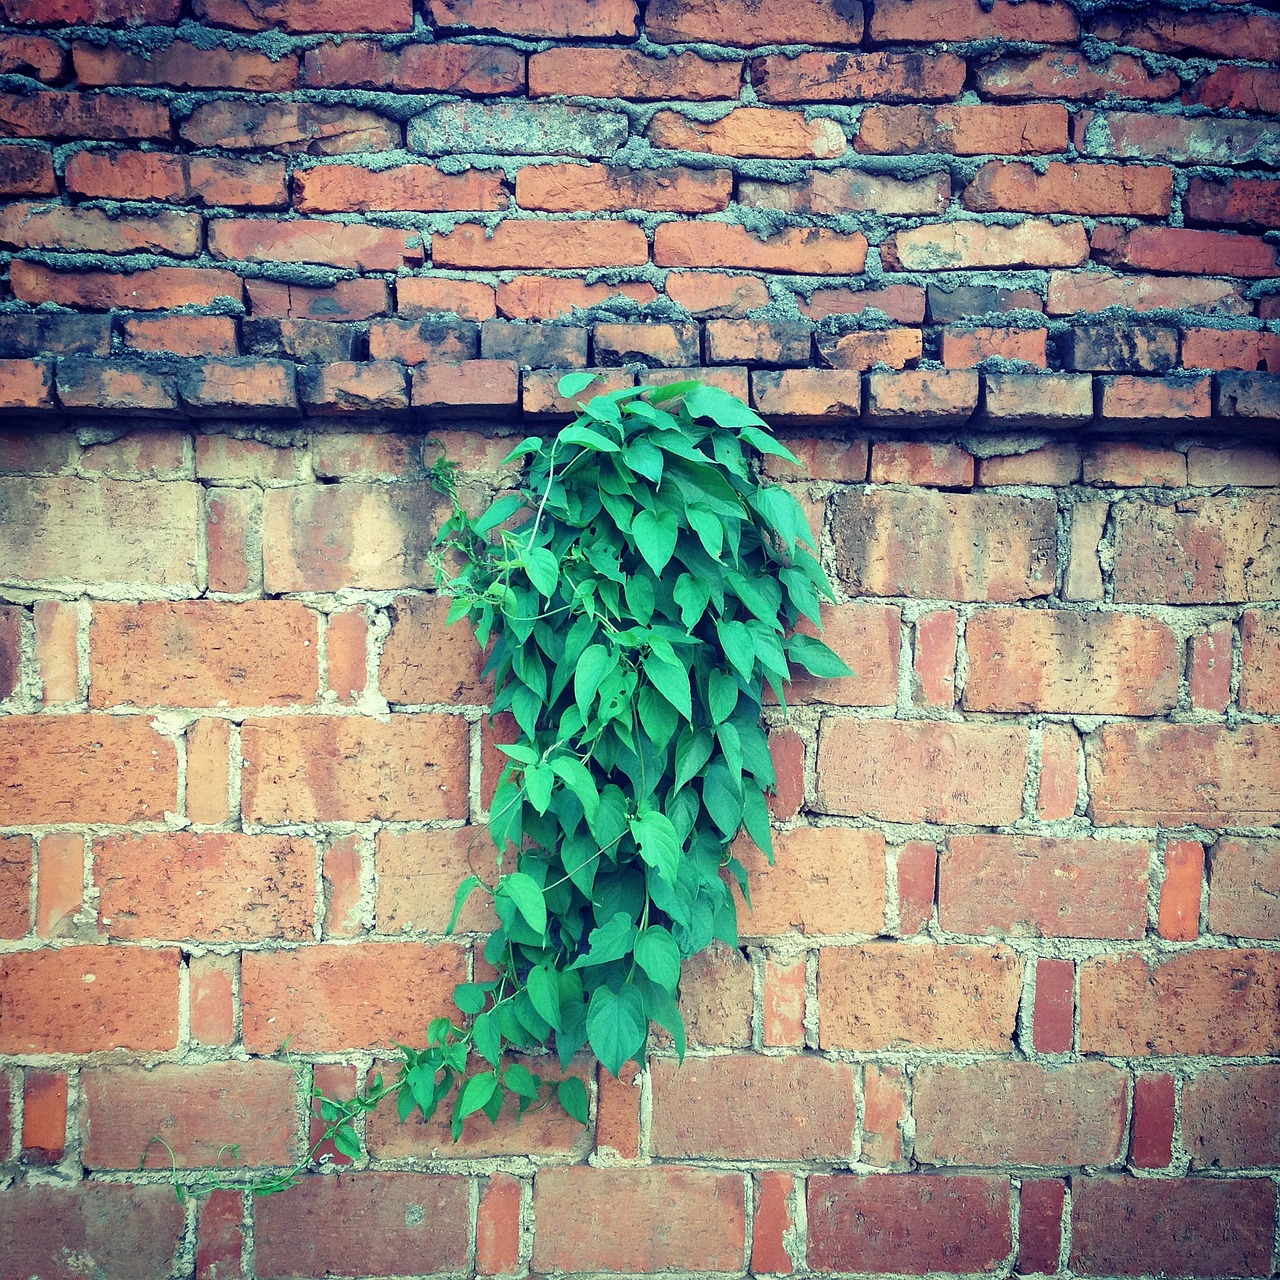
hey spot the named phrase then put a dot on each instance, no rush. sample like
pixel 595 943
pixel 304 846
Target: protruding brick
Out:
pixel 447 66
pixel 469 385
pixel 932 397
pixel 1053 1013
pixel 807 395
pixel 44 1116
pixel 772 1224
pixel 213 1006
pixel 304 127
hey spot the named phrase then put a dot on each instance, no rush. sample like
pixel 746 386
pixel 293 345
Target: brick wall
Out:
pixel 1010 1000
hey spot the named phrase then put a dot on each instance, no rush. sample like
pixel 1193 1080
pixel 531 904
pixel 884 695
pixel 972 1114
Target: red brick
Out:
pixel 651 344
pixel 803 396
pixel 348 387
pixel 827 880
pixel 1195 1002
pixel 1176 250
pixel 155 175
pixel 799 250
pixel 44 1116
pixel 750 131
pixel 407 1216
pixel 1021 886
pixel 1063 73
pixel 1153 1121
pixel 213 987
pixel 235 559
pixel 343 188
pixel 772 1223
pixel 784 999
pixel 344 300
pixel 821 459
pixel 717 999
pixel 37 56
pixel 747 1107
pixel 1203 551
pixel 426 661
pixel 942 246
pixel 304 15
pixel 903 542
pixel 1239 201
pixel 1040 1226
pixel 1087 291
pixel 330 998
pixel 11 629
pixel 469 385
pixel 214 887
pixel 552 19
pixel 1209 668
pixel 338 768
pixel 921 397
pixel 1230 349
pixel 631 74
pixel 917 885
pixel 1127 1226
pixel 1223 35
pixel 566 188
pixel 963 131
pixel 858 77
pixel 898 995
pixel 447 66
pixel 154 289
pixel 866 636
pixel 1229 1117
pixel 713 294
pixel 1053 1013
pixel 766 22
pixel 787 749
pixel 927 21
pixel 539 394
pixel 113 386
pixel 305 127
pixel 63 115
pixel 908 1223
pixel 1135 191
pixel 1243 884
pixel 181 335
pixel 965 348
pixel 1020 1113
pixel 314 240
pixel 885 1114
pixel 89 999
pixel 220 1236
pixel 196 1110
pixel 182 65
pixel 837 192
pixel 1141 400
pixel 1179 918
pixel 1260 661
pixel 673 1214
pixel 193 654
pixel 15 887
pixel 498 1229
pixel 208 765
pixel 59 884
pixel 26 384
pixel 423 295
pixel 52 226
pixel 27 171
pixel 550 298
pixel 114 1229
pixel 901 462
pixel 1237 89
pixel 342 888
pixel 903 303
pixel 934 664
pixel 1059 773
pixel 57 656
pixel 78 768
pixel 530 244
pixel 1086 663
pixel 1141 135
pixel 896 348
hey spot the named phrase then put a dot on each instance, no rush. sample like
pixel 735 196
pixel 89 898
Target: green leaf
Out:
pixel 526 893
pixel 661 1006
pixel 503 509
pixel 693 750
pixel 538 781
pixel 658 955
pixel 346 1141
pixel 577 777
pixel 816 658
pixel 722 799
pixel 722 408
pixel 521 1081
pixel 755 811
pixel 487 1038
pixel 655 535
pixel 709 529
pixel 596 662
pixel 476 1093
pixel 692 595
pixel 543 570
pixel 544 991
pixel 465 890
pixel 645 458
pixel 530 444
pixel 739 647
pixel 617 1026
pixel 588 439
pixel 572 383
pixel 611 941
pixel 659 844
pixel 470 997
pixel 767 444
pixel 573 1098
pixel 722 695
pixel 671 680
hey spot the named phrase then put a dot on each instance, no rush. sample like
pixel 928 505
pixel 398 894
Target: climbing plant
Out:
pixel 635 596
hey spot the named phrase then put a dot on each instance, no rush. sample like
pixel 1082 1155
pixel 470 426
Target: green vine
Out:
pixel 635 597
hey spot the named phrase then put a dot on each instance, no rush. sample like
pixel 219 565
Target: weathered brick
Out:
pixel 1243 883
pixel 181 335
pixel 539 395
pixel 534 345
pixel 220 1235
pixel 1222 35
pixel 747 1107
pixel 821 459
pixel 929 20
pixel 348 387
pixel 654 345
pixel 44 1116
pixel 1195 1002
pixel 426 661
pixel 631 74
pixel 418 874
pixel 153 289
pixel 412 1219
pixel 1260 661
pixel 1245 349
pixel 344 300
pixel 1179 918
pixel 467 386
pixel 1248 395
pixel 59 884
pixel 1073 291
pixel 514 127
pixel 907 542
pixel 1178 249
pixel 1064 73
pixel 767 22
pixel 322 537
pixel 567 188
pixel 903 303
pixel 1083 577
pixel 963 131
pixel 182 65
pixel 1140 135
pixel 114 386
pixel 938 465
pixel 858 77
pixel 330 998
pixel 949 302
pixel 1238 89
pixel 89 999
pixel 801 250
pixel 750 131
pixel 304 15
pixel 1209 668
pixel 1127 1226
pixel 341 188
pixel 1229 1117
pixel 1142 400
pixel 551 19
pixel 896 348
pixel 306 127
pixel 213 887
pixel 1128 190
pixel 1116 348
pixel 232 529
pixel 908 1223
pixel 58 114
pixel 673 1214
pixel 866 636
pixel 314 240
pixel 783 1002
pixel 553 298
pixel 196 1110
pixel 1020 1113
pixel 113 1228
pixel 208 766
pixel 715 294
pixel 541 244
pixel 1201 551
pixel 846 867
pixel 1240 201
pixel 1080 663
pixel 1036 886
pixel 807 395
pixel 52 226
pixel 37 56
pixel 417 341
pixel 757 342
pixel 16 869
pixel 446 66
pixel 1032 400
pixel 943 246
pixel 26 384
pixel 156 175
pixel 964 348
pixel 891 995
pixel 923 397
pixel 267 387
pixel 78 768
pixel 717 999
pixel 498 1227
pixel 343 768
pixel 837 192
pixel 27 171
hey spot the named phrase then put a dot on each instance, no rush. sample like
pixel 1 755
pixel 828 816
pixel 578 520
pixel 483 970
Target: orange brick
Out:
pixel 798 250
pixel 1135 191
pixel 923 21
pixel 182 65
pixel 213 990
pixel 618 1112
pixel 550 297
pixel 714 294
pixel 498 1229
pixel 60 884
pixel 917 886
pixel 154 289
pixel 181 335
pixel 1260 661
pixel 766 22
pixel 567 188
pixel 750 131
pixel 885 1112
pixel 1179 918
pixel 57 653
pixel 16 869
pixel 541 244
pixel 347 636
pixel 1209 673
pixel 342 875
pixel 1160 399
pixel 474 386
pixel 44 1116
pixel 784 1001
pixel 1059 772
pixel 773 1223
pixel 232 519
pixel 896 348
pixel 631 74
pixel 867 637
pixel 942 246
pixel 941 465
pixel 450 66
pixel 934 663
pixel 962 349
pixel 963 131
pixel 787 750
pixel 426 661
